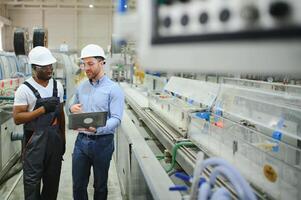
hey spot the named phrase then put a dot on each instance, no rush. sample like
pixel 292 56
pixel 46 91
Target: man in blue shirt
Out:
pixel 94 146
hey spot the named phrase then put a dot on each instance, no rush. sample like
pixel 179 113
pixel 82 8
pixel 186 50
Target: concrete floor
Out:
pixel 65 189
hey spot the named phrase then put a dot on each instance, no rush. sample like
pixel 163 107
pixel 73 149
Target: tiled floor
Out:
pixel 65 189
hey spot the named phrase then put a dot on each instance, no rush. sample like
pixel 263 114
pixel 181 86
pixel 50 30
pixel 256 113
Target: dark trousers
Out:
pixel 90 152
pixel 42 161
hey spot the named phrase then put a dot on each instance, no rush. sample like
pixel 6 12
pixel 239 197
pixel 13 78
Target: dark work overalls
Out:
pixel 43 148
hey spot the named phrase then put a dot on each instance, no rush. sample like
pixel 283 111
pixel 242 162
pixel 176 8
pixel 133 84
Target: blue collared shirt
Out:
pixel 102 96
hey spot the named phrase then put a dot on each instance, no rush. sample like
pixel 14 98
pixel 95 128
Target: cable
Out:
pixel 196 175
pixel 221 194
pixel 160 157
pixel 222 170
pixel 203 190
pixel 174 153
pixel 220 167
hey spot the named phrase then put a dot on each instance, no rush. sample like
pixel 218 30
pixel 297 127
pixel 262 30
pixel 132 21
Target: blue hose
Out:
pixel 221 194
pixel 238 178
pixel 229 174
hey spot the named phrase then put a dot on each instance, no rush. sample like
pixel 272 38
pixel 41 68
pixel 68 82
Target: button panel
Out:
pixel 203 20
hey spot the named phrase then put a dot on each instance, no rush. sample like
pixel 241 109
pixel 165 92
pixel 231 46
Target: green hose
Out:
pixel 174 153
pixel 160 157
pixel 6 98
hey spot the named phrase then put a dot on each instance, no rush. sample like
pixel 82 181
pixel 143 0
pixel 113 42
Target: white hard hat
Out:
pixel 41 56
pixel 92 50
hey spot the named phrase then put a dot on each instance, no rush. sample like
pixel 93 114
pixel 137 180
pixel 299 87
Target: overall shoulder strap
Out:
pixel 54 94
pixel 35 92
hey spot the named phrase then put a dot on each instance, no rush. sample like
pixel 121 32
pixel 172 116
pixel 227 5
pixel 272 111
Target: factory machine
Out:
pixel 64 71
pixel 256 130
pixel 10 79
pixel 120 65
pixel 173 123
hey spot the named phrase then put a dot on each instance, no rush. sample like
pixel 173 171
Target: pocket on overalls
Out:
pixel 36 141
pixel 57 139
pixel 28 137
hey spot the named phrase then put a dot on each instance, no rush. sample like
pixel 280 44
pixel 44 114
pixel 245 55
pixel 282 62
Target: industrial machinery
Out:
pixel 218 36
pixel 9 65
pixel 255 129
pixel 25 67
pixel 253 124
pixel 64 71
pixel 10 150
pixel 121 61
pixel 258 131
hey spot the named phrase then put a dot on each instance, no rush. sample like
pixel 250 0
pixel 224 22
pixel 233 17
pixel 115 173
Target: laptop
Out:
pixel 88 119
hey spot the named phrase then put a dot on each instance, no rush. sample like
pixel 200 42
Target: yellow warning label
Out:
pixel 270 173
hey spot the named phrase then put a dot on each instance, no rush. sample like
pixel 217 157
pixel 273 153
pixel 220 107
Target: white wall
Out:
pixel 94 28
pixel 4 22
pixel 75 27
pixel 3 10
pixel 62 27
pixel 22 18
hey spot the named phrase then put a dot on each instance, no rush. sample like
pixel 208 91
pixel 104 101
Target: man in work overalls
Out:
pixel 38 105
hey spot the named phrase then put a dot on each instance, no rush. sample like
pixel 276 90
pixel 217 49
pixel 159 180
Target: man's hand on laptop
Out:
pixel 90 129
pixel 76 108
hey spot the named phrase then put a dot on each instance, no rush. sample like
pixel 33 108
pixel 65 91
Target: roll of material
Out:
pixel 21 41
pixel 40 37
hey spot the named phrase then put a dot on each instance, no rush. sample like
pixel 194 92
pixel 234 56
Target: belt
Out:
pixel 92 137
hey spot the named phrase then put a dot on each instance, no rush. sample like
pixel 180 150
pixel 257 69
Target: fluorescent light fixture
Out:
pixel 91 6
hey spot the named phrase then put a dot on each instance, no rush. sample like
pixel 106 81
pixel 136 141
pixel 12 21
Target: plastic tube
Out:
pixel 160 157
pixel 204 192
pixel 229 174
pixel 178 188
pixel 174 153
pixel 183 176
pixel 221 194
pixel 196 175
pixel 218 161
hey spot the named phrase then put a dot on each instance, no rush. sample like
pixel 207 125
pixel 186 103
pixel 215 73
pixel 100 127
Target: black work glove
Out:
pixel 50 106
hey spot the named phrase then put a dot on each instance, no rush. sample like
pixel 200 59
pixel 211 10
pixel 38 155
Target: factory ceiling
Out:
pixel 57 4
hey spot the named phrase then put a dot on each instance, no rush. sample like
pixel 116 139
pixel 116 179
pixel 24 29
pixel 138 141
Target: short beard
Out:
pixel 44 78
pixel 94 77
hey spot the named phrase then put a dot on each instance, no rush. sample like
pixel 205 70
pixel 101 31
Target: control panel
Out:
pixel 220 36
pixel 202 20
